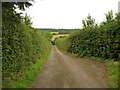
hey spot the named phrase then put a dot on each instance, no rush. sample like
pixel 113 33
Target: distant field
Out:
pixel 54 33
pixel 55 36
pixel 57 31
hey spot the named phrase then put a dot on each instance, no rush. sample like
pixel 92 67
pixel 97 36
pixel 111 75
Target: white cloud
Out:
pixel 68 13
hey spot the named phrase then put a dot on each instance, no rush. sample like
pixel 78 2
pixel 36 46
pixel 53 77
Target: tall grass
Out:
pixel 113 74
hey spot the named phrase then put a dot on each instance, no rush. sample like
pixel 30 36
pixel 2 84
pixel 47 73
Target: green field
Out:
pixel 57 31
pixel 54 33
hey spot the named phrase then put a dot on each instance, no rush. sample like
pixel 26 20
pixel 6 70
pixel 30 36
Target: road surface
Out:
pixel 64 71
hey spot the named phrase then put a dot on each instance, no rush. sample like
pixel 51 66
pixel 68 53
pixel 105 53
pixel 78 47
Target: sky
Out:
pixel 68 14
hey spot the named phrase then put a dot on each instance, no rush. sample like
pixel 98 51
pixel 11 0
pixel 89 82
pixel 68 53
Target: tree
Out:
pixel 109 16
pixel 88 22
pixel 10 16
pixel 117 18
pixel 27 20
pixel 13 5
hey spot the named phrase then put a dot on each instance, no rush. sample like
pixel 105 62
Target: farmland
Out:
pixel 57 31
pixel 54 33
pixel 60 35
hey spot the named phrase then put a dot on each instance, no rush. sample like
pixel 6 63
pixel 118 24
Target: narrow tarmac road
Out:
pixel 64 71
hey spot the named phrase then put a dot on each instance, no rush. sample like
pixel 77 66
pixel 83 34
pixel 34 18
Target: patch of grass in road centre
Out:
pixel 31 74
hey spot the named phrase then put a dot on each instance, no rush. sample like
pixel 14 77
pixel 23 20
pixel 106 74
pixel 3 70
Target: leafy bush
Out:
pixel 48 35
pixel 22 46
pixel 98 41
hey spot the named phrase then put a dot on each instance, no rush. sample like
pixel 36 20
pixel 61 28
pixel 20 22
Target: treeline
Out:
pixel 23 46
pixel 60 31
pixel 95 40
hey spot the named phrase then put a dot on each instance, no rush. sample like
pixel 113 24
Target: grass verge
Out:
pixel 28 77
pixel 112 68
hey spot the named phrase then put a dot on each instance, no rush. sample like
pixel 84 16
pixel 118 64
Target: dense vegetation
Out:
pixel 23 46
pixel 99 42
pixel 57 31
pixel 93 40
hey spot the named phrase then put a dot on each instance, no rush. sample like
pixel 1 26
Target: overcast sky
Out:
pixel 68 14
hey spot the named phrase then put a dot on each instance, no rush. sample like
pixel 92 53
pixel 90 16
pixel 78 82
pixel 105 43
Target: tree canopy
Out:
pixel 13 5
pixel 88 22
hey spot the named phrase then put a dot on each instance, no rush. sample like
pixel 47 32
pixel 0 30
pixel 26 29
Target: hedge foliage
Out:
pixel 95 40
pixel 22 45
